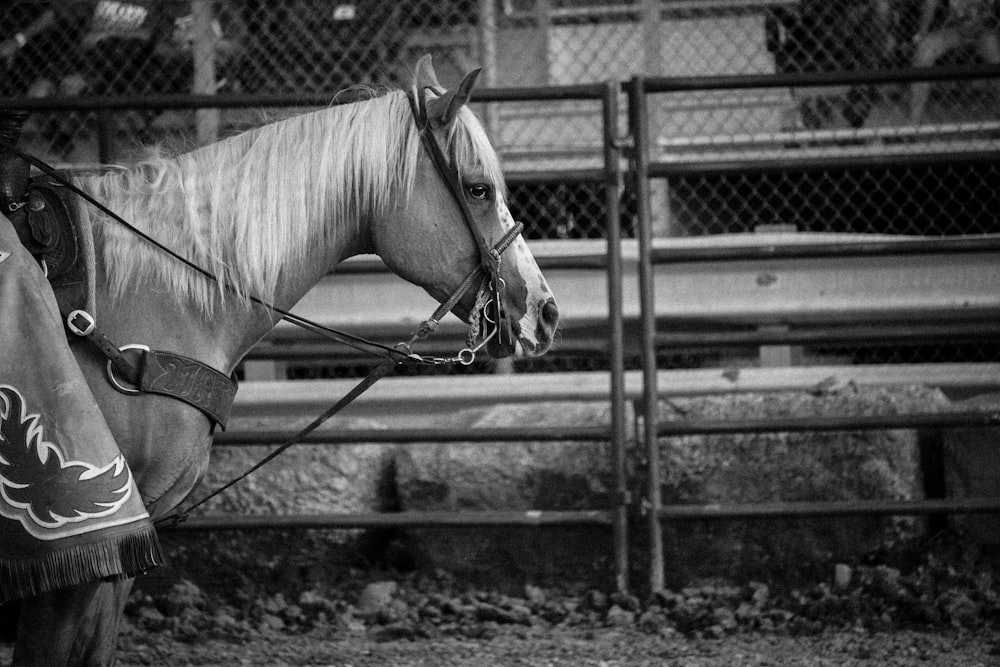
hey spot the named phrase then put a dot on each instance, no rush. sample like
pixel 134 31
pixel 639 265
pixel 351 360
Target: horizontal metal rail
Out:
pixel 508 435
pixel 696 339
pixel 965 419
pixel 930 246
pixel 814 163
pixel 593 92
pixel 398 520
pixel 870 334
pixel 568 261
pixel 677 84
pixel 830 508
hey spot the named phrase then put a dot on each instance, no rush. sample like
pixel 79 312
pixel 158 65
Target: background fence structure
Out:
pixel 784 120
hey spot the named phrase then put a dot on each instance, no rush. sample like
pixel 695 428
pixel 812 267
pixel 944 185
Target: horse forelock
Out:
pixel 257 206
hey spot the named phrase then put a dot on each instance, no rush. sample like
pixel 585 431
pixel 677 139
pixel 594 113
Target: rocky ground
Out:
pixel 932 603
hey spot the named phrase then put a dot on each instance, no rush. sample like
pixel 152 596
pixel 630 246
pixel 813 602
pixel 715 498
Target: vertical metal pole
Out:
pixel 488 57
pixel 543 18
pixel 203 55
pixel 612 201
pixel 491 112
pixel 652 41
pixel 639 128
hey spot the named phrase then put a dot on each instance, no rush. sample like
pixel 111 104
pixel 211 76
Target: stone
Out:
pixel 787 467
pixel 842 575
pixel 306 479
pixel 376 597
pixel 511 477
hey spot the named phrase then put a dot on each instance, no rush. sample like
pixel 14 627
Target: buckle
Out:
pixel 81 322
pixel 111 370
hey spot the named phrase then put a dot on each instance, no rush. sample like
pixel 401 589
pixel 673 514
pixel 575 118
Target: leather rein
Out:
pixel 489 294
pixel 215 391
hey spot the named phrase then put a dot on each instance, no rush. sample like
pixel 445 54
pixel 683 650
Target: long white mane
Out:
pixel 252 208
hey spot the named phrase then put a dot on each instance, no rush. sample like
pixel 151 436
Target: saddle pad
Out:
pixel 70 511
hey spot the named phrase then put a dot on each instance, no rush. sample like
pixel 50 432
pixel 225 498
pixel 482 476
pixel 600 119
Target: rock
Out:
pixel 511 476
pixel 597 600
pixel 271 623
pixel 182 596
pixel 960 609
pixel 150 618
pixel 619 618
pixel 394 632
pixel 376 597
pixel 787 468
pixel 841 575
pixel 302 480
pixel 534 595
pixel 651 620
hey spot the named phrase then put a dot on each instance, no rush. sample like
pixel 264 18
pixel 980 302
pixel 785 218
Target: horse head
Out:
pixel 455 214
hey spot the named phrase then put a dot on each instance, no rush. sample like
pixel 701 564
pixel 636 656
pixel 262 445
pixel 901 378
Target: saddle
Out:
pixel 56 236
pixel 45 220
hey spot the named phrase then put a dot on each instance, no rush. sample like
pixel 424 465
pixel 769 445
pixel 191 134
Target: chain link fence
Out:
pixel 156 47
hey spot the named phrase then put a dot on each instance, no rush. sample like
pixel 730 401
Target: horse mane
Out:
pixel 252 208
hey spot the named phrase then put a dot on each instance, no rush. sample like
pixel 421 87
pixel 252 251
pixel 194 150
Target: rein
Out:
pixel 486 274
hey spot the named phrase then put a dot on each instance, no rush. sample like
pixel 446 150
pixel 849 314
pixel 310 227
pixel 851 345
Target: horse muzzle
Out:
pixel 544 323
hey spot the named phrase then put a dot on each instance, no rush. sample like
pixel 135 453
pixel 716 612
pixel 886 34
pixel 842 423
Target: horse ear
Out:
pixel 442 110
pixel 424 76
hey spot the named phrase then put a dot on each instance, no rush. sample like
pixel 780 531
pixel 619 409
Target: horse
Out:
pixel 268 213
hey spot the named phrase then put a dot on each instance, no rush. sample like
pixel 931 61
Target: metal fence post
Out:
pixel 639 129
pixel 612 200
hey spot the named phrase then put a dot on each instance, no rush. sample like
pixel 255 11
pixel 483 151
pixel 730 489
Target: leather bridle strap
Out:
pixel 489 258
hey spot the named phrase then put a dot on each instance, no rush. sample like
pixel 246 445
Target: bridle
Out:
pixel 489 297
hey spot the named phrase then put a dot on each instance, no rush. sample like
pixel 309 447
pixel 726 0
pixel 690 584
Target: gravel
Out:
pixel 924 603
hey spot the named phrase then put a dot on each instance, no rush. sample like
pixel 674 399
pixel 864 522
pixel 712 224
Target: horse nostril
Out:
pixel 550 313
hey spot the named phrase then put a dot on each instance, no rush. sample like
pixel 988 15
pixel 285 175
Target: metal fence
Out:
pixel 835 158
pixel 156 47
pixel 888 156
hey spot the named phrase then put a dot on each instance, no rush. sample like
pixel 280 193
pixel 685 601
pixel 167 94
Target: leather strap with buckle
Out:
pixel 157 372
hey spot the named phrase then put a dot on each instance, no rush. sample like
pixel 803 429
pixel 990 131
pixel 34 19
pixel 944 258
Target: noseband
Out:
pixel 489 297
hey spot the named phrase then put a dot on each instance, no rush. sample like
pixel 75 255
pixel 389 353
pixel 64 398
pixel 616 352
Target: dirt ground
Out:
pixel 605 648
pixel 231 601
pixel 548 647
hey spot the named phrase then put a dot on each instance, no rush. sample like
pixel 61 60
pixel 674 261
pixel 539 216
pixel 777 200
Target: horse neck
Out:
pixel 262 201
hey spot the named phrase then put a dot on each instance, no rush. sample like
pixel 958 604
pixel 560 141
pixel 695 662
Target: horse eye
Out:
pixel 479 191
